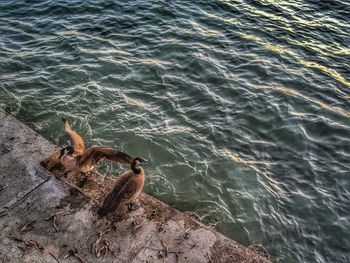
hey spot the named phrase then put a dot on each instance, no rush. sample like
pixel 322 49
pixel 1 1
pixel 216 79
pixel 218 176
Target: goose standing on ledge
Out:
pixel 75 158
pixel 126 189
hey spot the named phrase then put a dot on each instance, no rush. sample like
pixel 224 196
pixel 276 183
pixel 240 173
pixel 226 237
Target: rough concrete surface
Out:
pixel 47 217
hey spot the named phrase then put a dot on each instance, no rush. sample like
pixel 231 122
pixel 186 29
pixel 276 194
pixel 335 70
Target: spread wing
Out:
pixel 94 154
pixel 76 140
pixel 119 193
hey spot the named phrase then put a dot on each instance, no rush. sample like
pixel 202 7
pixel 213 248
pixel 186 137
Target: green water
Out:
pixel 242 107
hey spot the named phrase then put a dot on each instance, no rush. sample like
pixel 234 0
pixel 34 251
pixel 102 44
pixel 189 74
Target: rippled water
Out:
pixel 241 106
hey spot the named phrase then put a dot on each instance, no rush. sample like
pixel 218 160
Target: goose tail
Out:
pixel 103 211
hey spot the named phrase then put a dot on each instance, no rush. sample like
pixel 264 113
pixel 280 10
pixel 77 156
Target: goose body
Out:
pixel 69 162
pixel 127 188
pixel 76 158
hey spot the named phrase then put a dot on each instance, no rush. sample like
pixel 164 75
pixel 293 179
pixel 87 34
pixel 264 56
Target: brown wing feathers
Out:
pixel 113 155
pixel 96 153
pixel 76 140
pixel 114 198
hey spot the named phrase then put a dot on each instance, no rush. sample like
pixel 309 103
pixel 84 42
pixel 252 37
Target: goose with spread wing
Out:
pixel 76 158
pixel 126 189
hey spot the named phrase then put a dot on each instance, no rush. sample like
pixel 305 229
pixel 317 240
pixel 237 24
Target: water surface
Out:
pixel 242 107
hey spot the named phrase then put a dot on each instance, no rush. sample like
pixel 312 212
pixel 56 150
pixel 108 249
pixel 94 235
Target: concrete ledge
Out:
pixel 48 218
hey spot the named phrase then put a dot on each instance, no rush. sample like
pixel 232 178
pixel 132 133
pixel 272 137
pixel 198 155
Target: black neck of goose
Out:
pixel 62 152
pixel 68 148
pixel 134 168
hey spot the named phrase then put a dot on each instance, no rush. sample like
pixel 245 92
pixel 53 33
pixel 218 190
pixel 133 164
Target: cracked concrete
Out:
pixel 46 218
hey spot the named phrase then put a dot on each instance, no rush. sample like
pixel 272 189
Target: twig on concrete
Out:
pixel 2 214
pixel 210 260
pixel 40 245
pixel 3 187
pixel 98 254
pixel 27 207
pixel 107 247
pixel 30 243
pixel 103 248
pixel 52 255
pixel 36 244
pixel 165 259
pixel 74 252
pixel 56 214
pixel 27 227
pixel 185 235
pixel 106 251
pixel 54 217
pixel 163 250
pixel 16 238
pixel 54 221
pixel 187 230
pixel 95 247
pixel 71 212
pixel 22 248
pixel 201 224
